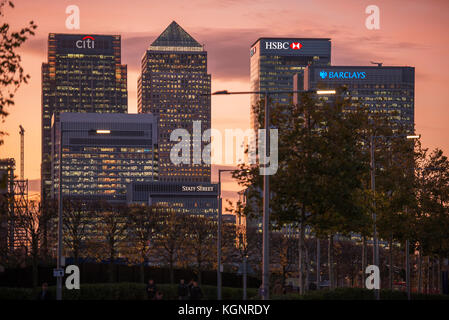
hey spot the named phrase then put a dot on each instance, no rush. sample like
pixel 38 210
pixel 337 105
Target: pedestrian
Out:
pixel 260 292
pixel 159 295
pixel 195 292
pixel 183 290
pixel 44 294
pixel 190 285
pixel 151 289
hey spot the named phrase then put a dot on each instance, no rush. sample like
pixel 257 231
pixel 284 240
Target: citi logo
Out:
pixel 86 42
pixel 296 45
pixel 282 45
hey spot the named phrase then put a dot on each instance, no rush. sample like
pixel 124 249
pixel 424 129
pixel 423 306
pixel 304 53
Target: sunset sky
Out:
pixel 412 33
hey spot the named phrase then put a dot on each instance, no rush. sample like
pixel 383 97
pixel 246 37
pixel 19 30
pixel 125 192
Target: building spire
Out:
pixel 174 36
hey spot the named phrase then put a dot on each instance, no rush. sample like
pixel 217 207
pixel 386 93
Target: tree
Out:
pixel 170 239
pixel 199 246
pixel 32 221
pixel 433 198
pixel 110 232
pixel 143 225
pixel 12 74
pixel 77 219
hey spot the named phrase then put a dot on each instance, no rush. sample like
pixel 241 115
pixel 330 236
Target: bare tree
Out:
pixel 170 239
pixel 77 219
pixel 110 232
pixel 199 245
pixel 32 221
pixel 144 224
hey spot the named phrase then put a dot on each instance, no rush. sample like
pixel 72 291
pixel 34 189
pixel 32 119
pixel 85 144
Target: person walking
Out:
pixel 195 292
pixel 44 294
pixel 151 289
pixel 183 290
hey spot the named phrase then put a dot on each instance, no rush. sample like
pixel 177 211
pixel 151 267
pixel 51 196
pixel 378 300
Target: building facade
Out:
pixel 389 91
pixel 83 74
pixel 173 85
pixel 184 198
pixel 274 61
pixel 102 153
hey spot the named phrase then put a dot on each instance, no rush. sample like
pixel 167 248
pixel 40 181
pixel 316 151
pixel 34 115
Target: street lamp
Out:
pixel 373 189
pixel 266 181
pixel 219 232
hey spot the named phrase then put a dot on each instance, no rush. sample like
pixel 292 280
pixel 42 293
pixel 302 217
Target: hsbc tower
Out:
pixel 274 62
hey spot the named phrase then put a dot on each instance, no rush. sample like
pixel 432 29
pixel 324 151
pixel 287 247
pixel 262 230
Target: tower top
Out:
pixel 173 38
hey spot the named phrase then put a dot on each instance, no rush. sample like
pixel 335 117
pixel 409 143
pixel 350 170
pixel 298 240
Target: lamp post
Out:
pixel 373 189
pixel 266 181
pixel 60 208
pixel 219 233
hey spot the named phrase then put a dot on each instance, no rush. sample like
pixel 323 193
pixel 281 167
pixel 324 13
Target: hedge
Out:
pixel 136 291
pixel 357 294
pixel 120 291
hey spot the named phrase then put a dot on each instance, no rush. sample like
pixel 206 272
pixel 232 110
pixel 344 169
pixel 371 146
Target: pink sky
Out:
pixel 412 33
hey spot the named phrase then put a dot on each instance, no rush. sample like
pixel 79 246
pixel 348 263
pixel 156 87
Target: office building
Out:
pixel 389 91
pixel 180 197
pixel 274 61
pixel 172 85
pixel 102 153
pixel 83 74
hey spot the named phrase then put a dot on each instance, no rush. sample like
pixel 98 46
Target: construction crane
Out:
pixel 379 64
pixel 22 152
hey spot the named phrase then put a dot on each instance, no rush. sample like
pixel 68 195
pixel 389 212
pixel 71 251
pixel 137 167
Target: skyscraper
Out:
pixel 83 74
pixel 171 85
pixel 274 61
pixel 385 90
pixel 103 153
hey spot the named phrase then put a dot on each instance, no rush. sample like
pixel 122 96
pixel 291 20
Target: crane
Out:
pixel 22 152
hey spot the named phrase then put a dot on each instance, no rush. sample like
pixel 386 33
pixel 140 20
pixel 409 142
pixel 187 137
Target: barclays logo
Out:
pixel 342 75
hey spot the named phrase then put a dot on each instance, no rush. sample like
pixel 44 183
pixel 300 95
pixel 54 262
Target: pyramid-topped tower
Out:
pixel 175 36
pixel 174 86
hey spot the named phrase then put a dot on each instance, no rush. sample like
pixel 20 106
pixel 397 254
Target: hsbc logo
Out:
pixel 295 45
pixel 86 42
pixel 282 45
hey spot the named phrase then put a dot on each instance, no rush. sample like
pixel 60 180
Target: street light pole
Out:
pixel 59 259
pixel 266 185
pixel 407 268
pixel 219 238
pixel 266 208
pixel 373 189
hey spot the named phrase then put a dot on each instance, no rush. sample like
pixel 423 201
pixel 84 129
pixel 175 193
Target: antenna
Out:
pixel 379 64
pixel 22 152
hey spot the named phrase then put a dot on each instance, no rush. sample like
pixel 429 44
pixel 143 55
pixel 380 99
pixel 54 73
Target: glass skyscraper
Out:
pixel 171 86
pixel 385 90
pixel 103 153
pixel 83 74
pixel 274 62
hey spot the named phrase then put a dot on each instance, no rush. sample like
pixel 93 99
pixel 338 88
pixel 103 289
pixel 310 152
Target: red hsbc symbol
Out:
pixel 296 45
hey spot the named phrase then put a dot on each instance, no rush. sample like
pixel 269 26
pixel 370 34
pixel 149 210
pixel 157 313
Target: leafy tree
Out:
pixel 12 74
